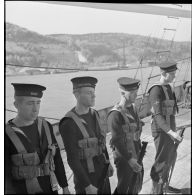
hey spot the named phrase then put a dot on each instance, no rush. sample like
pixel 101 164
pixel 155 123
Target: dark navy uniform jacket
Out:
pixel 71 135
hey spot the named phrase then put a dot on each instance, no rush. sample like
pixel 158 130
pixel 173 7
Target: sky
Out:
pixel 46 18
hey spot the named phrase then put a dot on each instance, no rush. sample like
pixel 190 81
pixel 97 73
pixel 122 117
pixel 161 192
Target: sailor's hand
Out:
pixel 110 171
pixel 134 165
pixel 66 190
pixel 90 189
pixel 175 136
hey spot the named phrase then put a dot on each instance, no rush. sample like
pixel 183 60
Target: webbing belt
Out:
pixel 49 157
pixel 77 120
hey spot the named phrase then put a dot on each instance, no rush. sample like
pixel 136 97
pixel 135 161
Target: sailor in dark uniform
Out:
pixel 84 141
pixel 126 128
pixel 33 164
pixel 164 107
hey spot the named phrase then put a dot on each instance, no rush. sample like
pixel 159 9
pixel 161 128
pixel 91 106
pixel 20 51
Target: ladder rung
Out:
pixel 170 29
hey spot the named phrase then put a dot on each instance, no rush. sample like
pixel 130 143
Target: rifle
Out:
pixel 102 178
pixel 140 159
pixel 182 128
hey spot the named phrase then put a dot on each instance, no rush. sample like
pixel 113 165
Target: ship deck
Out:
pixel 181 177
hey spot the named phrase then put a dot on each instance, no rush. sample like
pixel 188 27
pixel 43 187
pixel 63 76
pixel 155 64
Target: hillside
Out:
pixel 24 47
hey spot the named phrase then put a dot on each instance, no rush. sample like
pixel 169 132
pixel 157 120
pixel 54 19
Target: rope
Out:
pixel 183 59
pixel 157 58
pixel 140 64
pixel 172 41
pixel 148 40
pixel 155 62
pixel 188 67
pixel 56 123
pixel 188 70
pixel 141 80
pixel 75 69
pixel 41 67
pixel 86 69
pixel 175 78
pixel 40 116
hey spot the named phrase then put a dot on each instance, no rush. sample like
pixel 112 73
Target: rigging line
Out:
pixel 141 60
pixel 151 72
pixel 172 41
pixel 185 74
pixel 163 34
pixel 156 25
pixel 183 59
pixel 142 80
pixel 158 29
pixel 188 68
pixel 175 77
pixel 41 67
pixel 155 64
pixel 148 121
pixel 149 37
pixel 142 72
pixel 148 80
pixel 40 116
pixel 81 69
pixel 56 123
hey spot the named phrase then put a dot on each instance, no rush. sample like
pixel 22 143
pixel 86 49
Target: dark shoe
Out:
pixel 172 189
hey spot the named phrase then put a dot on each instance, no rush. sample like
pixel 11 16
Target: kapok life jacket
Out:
pixel 169 107
pixel 89 146
pixel 145 108
pixel 27 165
pixel 132 130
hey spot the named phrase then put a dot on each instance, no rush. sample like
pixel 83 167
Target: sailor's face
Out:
pixel 170 76
pixel 131 95
pixel 87 96
pixel 28 108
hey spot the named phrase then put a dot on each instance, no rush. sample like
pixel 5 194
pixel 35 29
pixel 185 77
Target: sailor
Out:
pixel 33 164
pixel 126 127
pixel 84 141
pixel 163 126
